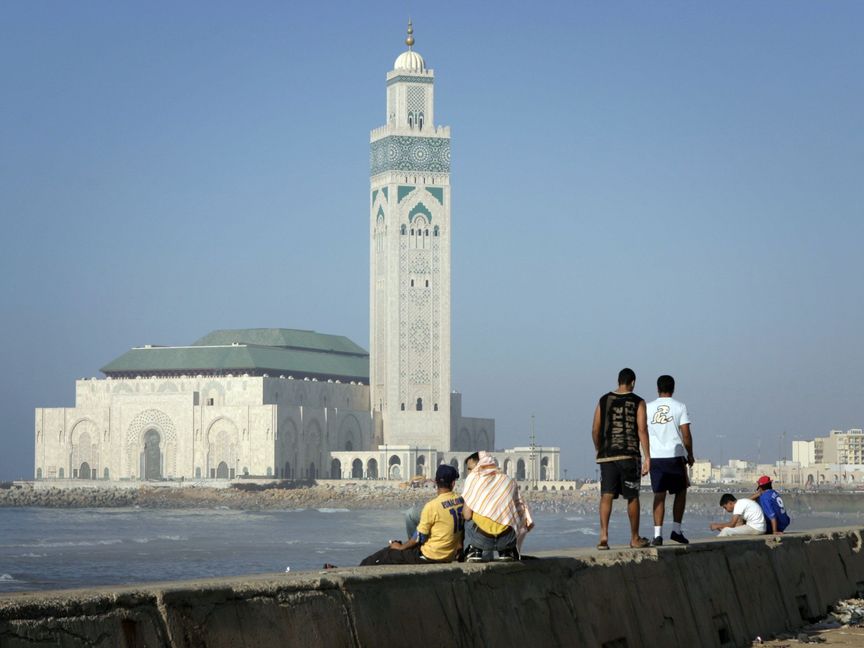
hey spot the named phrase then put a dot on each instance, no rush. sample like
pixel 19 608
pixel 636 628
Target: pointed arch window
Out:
pixel 419 404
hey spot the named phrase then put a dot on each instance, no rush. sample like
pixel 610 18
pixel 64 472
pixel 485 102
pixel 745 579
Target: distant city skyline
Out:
pixel 671 188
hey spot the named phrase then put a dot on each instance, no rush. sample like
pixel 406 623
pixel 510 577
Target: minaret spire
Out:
pixel 409 41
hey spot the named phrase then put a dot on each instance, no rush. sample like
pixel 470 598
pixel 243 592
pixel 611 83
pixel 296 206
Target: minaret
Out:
pixel 410 262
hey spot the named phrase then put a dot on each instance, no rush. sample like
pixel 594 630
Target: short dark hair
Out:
pixel 626 376
pixel 727 497
pixel 472 457
pixel 666 384
pixel 446 475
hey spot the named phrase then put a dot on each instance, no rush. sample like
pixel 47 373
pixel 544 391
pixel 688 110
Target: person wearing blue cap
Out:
pixel 439 535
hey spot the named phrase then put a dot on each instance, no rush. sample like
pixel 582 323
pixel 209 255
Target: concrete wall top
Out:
pixel 710 593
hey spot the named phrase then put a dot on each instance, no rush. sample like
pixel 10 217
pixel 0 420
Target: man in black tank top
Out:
pixel 620 428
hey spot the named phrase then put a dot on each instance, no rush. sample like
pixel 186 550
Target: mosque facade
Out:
pixel 294 404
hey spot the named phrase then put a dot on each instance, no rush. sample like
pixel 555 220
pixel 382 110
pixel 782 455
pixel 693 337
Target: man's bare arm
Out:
pixel 687 439
pixel 642 429
pixel 595 429
pixel 716 526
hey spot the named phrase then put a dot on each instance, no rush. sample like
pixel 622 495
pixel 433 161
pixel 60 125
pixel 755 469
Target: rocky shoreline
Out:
pixel 351 495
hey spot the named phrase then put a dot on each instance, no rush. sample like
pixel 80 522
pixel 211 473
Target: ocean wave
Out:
pixel 31 555
pixel 349 543
pixel 80 543
pixel 333 510
pixel 574 519
pixel 8 578
pixel 583 530
pixel 173 538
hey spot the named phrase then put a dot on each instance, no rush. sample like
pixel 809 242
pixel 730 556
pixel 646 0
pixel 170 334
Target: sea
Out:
pixel 46 548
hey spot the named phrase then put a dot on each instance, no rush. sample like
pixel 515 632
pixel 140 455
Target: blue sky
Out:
pixel 674 187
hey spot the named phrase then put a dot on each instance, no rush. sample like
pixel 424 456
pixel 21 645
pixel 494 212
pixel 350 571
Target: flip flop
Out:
pixel 642 544
pixel 603 546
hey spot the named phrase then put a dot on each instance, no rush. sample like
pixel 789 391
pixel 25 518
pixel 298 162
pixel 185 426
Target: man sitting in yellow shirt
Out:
pixel 439 534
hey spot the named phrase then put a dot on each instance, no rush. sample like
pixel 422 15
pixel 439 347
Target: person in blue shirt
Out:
pixel 776 518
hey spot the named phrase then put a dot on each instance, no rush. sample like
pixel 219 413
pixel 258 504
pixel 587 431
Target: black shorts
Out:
pixel 669 475
pixel 620 477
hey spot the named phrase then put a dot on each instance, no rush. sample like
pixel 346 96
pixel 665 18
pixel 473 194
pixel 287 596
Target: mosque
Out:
pixel 296 404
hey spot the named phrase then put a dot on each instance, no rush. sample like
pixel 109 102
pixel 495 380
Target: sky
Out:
pixel 675 187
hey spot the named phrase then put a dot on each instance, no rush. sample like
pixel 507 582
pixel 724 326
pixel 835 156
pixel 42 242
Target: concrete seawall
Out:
pixel 709 593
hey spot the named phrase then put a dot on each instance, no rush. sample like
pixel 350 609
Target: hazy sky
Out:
pixel 674 187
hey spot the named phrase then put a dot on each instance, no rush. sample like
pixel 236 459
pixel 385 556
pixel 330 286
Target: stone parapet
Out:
pixel 710 593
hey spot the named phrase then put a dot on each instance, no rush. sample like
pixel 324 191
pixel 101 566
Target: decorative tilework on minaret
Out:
pixel 410 261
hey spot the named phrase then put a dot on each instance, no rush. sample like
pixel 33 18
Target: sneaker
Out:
pixel 679 538
pixel 508 555
pixel 473 554
pixel 657 541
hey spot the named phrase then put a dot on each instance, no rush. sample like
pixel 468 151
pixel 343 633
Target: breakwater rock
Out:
pixel 357 495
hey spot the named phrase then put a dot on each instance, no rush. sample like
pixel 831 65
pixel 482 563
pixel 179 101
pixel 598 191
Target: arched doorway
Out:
pixel 152 455
pixel 60 474
pixel 38 473
pixel 222 470
pixel 421 466
pixel 371 469
pixel 520 470
pixel 84 471
pixel 395 467
pixel 106 474
pixel 544 469
pixel 335 469
pixel 455 463
pixel 507 463
pixel 287 474
pixel 313 471
pixel 357 469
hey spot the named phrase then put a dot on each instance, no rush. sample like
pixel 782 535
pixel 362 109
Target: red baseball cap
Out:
pixel 764 479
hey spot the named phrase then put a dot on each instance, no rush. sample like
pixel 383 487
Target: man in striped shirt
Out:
pixel 493 511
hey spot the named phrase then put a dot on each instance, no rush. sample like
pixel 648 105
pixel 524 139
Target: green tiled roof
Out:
pixel 254 351
pixel 279 337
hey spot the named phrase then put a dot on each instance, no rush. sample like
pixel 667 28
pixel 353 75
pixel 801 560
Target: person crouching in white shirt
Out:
pixel 747 517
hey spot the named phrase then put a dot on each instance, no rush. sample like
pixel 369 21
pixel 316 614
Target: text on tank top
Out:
pixel 618 430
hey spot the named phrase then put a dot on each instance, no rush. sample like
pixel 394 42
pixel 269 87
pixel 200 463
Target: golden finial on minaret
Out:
pixel 410 40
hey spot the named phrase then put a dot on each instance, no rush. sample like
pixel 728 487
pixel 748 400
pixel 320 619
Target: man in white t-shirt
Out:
pixel 671 453
pixel 747 517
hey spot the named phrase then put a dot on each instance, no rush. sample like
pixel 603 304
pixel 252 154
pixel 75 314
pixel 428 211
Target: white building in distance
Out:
pixel 295 404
